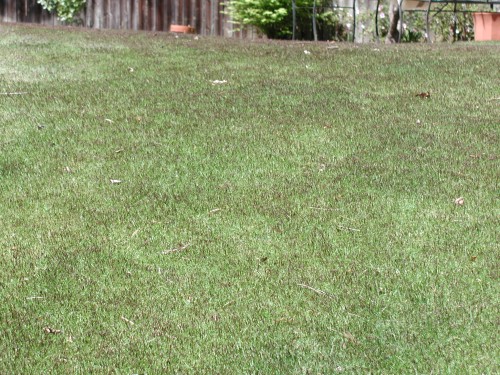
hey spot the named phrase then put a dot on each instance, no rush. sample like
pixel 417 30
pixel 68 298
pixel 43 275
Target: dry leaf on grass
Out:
pixel 349 336
pixel 215 317
pixel 115 181
pixel 459 201
pixel 424 95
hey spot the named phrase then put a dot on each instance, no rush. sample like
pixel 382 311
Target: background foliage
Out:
pixel 66 10
pixel 274 18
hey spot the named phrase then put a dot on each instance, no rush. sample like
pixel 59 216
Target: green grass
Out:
pixel 316 194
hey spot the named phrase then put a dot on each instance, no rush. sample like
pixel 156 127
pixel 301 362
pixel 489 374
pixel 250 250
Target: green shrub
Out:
pixel 443 26
pixel 66 10
pixel 274 18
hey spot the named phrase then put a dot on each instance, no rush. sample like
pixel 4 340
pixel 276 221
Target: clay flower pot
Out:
pixel 182 29
pixel 486 26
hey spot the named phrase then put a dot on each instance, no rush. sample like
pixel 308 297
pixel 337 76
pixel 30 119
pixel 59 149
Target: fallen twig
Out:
pixel 348 228
pixel 321 208
pixel 218 82
pixel 14 93
pixel 229 303
pixel 319 291
pixel 128 321
pixel 180 248
pixel 494 99
pixel 35 297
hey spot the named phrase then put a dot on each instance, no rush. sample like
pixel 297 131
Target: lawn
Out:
pixel 212 206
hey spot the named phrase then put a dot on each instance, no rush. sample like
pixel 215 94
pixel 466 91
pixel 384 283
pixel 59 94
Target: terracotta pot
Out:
pixel 486 26
pixel 182 29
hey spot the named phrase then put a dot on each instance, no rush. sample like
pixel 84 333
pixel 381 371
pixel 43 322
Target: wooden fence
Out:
pixel 206 16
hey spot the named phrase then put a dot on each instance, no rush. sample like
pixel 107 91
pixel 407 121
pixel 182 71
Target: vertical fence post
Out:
pixel 213 17
pixel 294 19
pixel 315 32
pixel 89 14
pixel 354 21
pixel 203 17
pixel 98 14
pixel 400 10
pixel 427 22
pixel 192 16
pixel 455 23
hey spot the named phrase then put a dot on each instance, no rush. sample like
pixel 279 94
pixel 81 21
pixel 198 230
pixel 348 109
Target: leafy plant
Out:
pixel 66 10
pixel 274 18
pixel 444 25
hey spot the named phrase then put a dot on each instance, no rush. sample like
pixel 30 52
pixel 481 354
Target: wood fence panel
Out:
pixel 164 14
pixel 114 14
pixel 97 11
pixel 156 15
pixel 125 14
pixel 88 18
pixel 10 11
pixel 192 15
pixel 144 25
pixel 203 23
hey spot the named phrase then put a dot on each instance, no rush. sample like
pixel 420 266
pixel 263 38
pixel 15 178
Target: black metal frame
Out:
pixel 334 6
pixel 444 3
pixel 427 11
